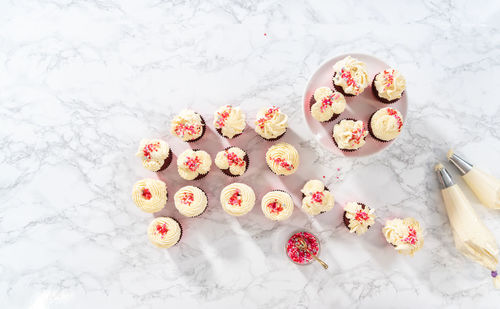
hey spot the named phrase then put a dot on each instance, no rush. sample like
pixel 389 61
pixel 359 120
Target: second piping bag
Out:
pixel 472 238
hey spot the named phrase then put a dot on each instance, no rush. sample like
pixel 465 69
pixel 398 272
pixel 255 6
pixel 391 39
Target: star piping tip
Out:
pixel 438 167
pixel 450 153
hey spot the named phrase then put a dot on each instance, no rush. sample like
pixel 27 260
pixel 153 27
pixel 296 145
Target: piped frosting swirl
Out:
pixel 237 199
pixel 232 159
pixel 153 153
pixel 317 199
pixel 328 103
pixel 230 120
pixel 360 218
pixel 351 75
pixel 192 163
pixel 150 195
pixel 164 232
pixel 350 134
pixel 282 159
pixel 404 234
pixel 188 125
pixel 390 84
pixel 271 122
pixel 277 205
pixel 190 201
pixel 386 123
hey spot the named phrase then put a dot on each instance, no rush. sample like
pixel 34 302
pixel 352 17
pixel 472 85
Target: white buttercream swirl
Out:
pixel 237 199
pixel 271 122
pixel 277 205
pixel 192 163
pixel 390 84
pixel 283 159
pixel 232 159
pixel 405 234
pixel 190 201
pixel 328 103
pixel 153 153
pixel 230 120
pixel 158 236
pixel 350 134
pixel 351 75
pixel 386 123
pixel 150 195
pixel 317 199
pixel 360 219
pixel 187 125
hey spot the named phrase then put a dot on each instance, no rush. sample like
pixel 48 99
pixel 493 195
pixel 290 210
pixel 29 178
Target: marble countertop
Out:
pixel 81 82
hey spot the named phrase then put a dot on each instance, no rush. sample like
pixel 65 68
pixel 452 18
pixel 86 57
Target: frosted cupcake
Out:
pixel 190 201
pixel 404 234
pixel 229 121
pixel 350 77
pixel 150 195
pixel 385 124
pixel 271 123
pixel 282 159
pixel 164 232
pixel 193 164
pixel 358 217
pixel 277 205
pixel 349 135
pixel 389 85
pixel 233 161
pixel 316 198
pixel 188 126
pixel 155 154
pixel 237 199
pixel 327 105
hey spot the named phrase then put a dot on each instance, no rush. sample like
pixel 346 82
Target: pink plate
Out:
pixel 359 107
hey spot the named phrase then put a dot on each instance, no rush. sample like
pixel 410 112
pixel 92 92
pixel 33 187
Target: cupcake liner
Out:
pixel 274 138
pixel 383 100
pixel 205 206
pixel 180 236
pixel 371 130
pixel 346 220
pixel 340 89
pixel 235 136
pixel 335 142
pixel 311 103
pixel 203 130
pixel 167 162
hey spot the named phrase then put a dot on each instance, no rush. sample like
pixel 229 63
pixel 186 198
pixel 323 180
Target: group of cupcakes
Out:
pixel 151 195
pixel 350 79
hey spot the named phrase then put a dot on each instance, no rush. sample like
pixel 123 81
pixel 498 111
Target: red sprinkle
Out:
pixel 357 135
pixel 361 216
pixel 318 197
pixel 275 207
pixel 222 117
pixel 149 148
pixel 297 255
pixel 389 79
pixel 187 198
pixel 412 236
pixel 393 112
pixel 283 163
pixel 162 229
pixel 183 129
pixel 328 101
pixel 233 159
pixel 146 193
pixel 235 199
pixel 268 115
pixel 349 80
pixel 192 163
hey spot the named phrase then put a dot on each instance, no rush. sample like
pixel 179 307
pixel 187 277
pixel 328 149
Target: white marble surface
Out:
pixel 81 82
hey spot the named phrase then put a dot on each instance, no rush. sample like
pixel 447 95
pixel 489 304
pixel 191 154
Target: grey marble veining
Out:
pixel 81 82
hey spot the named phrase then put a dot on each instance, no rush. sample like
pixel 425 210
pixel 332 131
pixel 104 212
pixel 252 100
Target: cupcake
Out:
pixel 404 234
pixel 271 123
pixel 316 198
pixel 237 199
pixel 232 161
pixel 349 135
pixel 277 205
pixel 164 232
pixel 282 159
pixel 190 201
pixel 150 195
pixel 350 77
pixel 385 124
pixel 155 154
pixel 388 86
pixel 358 217
pixel 326 105
pixel 229 121
pixel 188 126
pixel 193 164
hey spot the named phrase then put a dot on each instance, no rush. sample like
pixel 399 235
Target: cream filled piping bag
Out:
pixel 484 186
pixel 472 238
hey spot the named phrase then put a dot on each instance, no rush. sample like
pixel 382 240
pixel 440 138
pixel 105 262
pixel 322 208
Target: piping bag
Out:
pixel 484 186
pixel 472 238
